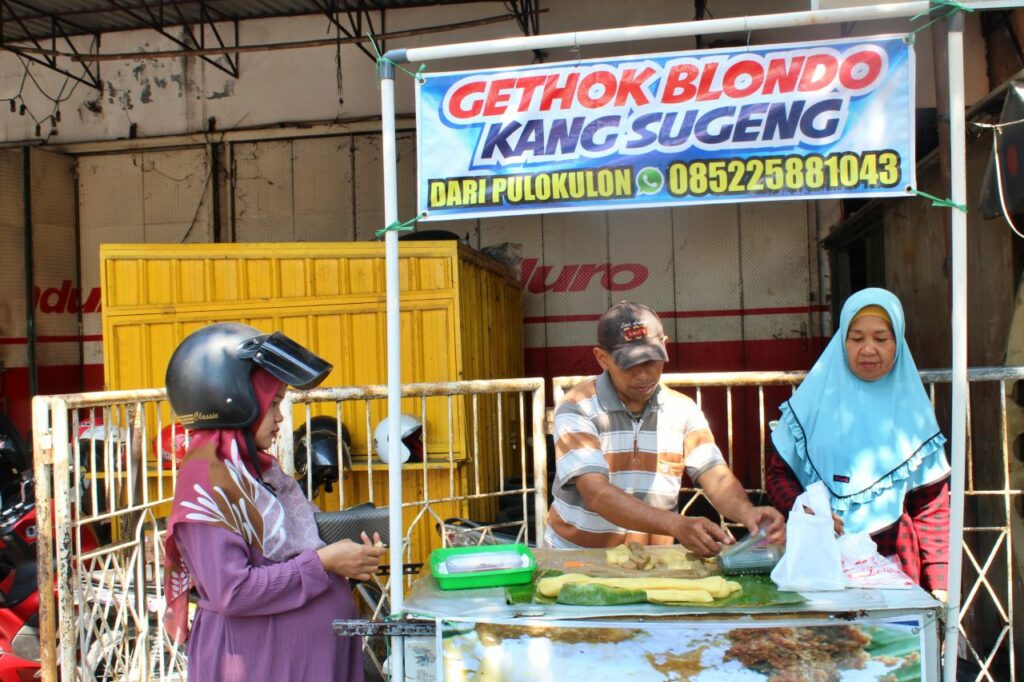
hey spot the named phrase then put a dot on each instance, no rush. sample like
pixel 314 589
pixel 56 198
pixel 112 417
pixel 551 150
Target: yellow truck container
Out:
pixel 460 315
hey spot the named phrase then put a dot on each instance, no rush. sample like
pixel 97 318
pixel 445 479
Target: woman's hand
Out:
pixel 351 559
pixel 941 595
pixel 837 523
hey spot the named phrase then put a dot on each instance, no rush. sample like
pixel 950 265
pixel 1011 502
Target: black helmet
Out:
pixel 98 441
pixel 208 376
pixel 323 457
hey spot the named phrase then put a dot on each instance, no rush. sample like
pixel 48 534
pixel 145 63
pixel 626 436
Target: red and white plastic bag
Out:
pixel 864 567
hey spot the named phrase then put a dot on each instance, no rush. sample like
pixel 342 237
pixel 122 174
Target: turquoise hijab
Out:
pixel 869 442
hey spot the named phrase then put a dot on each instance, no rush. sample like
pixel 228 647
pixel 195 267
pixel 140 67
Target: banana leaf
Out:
pixel 758 590
pixel 520 594
pixel 888 642
pixel 578 594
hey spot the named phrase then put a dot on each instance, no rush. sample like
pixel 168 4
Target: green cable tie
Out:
pixel 944 203
pixel 381 58
pixel 910 36
pixel 407 226
pixel 952 8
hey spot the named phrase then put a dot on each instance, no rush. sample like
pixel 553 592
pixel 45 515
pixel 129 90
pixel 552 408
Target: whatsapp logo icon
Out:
pixel 649 181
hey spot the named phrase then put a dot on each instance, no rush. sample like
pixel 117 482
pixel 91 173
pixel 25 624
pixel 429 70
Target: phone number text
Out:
pixel 784 174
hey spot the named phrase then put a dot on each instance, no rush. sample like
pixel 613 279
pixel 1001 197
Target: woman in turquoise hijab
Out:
pixel 862 423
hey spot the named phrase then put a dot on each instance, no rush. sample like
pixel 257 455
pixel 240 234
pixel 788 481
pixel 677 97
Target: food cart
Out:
pixel 656 634
pixel 845 635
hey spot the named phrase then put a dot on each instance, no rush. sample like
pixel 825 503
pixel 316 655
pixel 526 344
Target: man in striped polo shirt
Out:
pixel 622 443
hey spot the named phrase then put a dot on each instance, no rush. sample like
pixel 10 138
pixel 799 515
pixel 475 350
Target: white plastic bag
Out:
pixel 865 567
pixel 812 560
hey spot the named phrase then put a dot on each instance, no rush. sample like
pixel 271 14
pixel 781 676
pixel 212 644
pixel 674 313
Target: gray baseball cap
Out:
pixel 632 333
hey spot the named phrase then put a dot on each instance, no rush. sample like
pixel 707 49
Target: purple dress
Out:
pixel 259 620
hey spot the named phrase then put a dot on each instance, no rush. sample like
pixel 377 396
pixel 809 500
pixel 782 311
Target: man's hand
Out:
pixel 769 517
pixel 701 536
pixel 726 493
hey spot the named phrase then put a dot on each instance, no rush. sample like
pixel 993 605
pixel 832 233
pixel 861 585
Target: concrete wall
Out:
pixel 180 95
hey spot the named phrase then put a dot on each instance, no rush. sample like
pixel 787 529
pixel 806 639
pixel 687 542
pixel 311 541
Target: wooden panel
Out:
pixel 492 347
pixel 54 267
pixel 460 319
pixel 13 315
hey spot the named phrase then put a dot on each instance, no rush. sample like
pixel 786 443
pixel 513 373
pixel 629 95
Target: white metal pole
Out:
pixel 67 637
pixel 756 23
pixel 386 71
pixel 958 247
pixel 42 463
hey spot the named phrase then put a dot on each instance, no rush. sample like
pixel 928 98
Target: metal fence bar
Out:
pixel 1004 439
pixel 42 442
pixel 470 462
pixel 105 597
pixel 788 378
pixel 1003 378
pixel 62 532
pixel 760 434
pixel 540 463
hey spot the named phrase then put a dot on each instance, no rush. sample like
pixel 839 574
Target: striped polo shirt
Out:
pixel 595 433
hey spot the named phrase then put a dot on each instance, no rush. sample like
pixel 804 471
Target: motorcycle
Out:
pixel 19 594
pixel 19 597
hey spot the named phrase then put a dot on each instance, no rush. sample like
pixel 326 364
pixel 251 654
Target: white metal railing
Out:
pixel 110 499
pixel 108 599
pixel 508 407
pixel 105 535
pixel 987 617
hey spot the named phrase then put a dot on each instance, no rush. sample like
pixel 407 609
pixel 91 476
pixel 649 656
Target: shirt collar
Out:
pixel 609 398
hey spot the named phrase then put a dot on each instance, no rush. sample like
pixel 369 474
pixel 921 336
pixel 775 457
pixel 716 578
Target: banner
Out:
pixel 797 121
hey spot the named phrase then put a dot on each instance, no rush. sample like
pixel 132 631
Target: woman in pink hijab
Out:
pixel 241 532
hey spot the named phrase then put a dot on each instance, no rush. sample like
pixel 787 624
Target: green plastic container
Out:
pixel 472 579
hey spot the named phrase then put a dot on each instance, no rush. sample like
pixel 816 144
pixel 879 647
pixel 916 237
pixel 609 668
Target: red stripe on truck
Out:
pixel 710 356
pixel 21 340
pixel 738 312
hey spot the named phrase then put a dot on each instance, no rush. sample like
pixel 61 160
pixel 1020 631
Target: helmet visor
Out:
pixel 285 359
